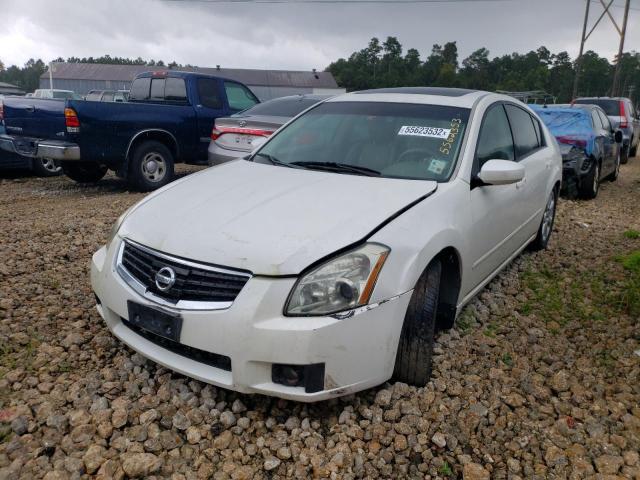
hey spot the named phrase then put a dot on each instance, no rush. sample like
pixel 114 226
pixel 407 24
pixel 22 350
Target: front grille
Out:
pixel 213 359
pixel 193 282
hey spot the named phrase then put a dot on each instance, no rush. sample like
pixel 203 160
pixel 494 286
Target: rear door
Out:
pixel 609 145
pixel 536 158
pixel 210 105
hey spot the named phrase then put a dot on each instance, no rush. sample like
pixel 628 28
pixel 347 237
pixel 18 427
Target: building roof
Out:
pixel 126 73
pixel 9 88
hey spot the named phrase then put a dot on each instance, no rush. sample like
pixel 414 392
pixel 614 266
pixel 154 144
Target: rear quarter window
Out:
pixel 175 90
pixel 524 133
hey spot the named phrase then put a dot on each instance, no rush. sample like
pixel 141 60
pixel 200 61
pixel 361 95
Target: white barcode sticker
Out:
pixel 433 132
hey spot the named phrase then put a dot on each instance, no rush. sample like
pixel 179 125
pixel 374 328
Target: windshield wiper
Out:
pixel 338 167
pixel 274 160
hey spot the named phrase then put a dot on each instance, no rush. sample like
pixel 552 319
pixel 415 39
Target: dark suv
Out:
pixel 623 116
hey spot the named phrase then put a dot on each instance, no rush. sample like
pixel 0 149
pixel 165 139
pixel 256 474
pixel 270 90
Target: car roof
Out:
pixel 564 108
pixel 455 97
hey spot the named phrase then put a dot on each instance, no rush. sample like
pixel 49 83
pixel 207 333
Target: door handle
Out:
pixel 30 109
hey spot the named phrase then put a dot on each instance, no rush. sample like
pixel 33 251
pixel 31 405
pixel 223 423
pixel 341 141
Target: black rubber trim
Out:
pixel 208 358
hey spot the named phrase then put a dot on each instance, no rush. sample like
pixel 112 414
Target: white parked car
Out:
pixel 324 264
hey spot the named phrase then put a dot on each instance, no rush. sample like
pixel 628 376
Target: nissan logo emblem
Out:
pixel 165 278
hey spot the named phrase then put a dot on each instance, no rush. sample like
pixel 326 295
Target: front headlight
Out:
pixel 116 227
pixel 342 283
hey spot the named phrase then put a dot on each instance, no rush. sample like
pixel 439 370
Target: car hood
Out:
pixel 266 219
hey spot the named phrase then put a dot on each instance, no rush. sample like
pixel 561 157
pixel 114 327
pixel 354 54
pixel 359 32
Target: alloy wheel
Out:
pixel 548 217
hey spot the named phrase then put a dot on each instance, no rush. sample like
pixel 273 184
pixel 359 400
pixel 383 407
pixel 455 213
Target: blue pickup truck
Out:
pixel 168 119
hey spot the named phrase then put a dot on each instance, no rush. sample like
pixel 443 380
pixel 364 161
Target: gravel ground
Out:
pixel 538 380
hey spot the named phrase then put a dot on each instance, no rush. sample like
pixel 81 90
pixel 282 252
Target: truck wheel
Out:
pixel 84 172
pixel 151 166
pixel 413 359
pixel 46 167
pixel 634 151
pixel 590 183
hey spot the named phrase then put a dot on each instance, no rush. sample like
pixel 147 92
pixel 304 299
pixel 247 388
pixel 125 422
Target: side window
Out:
pixel 536 127
pixel 175 90
pixel 157 89
pixel 107 97
pixel 494 141
pixel 524 134
pixel 239 96
pixel 606 124
pixel 208 93
pixel 597 123
pixel 140 89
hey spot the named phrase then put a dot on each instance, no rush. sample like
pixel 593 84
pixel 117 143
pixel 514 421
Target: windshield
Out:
pixel 63 94
pixel 396 140
pixel 564 122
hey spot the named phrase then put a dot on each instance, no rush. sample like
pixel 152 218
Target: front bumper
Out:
pixel 37 148
pixel 357 351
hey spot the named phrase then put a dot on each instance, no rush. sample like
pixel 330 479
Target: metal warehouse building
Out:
pixel 266 84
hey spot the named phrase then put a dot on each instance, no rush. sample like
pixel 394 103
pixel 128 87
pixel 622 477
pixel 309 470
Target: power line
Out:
pixel 302 2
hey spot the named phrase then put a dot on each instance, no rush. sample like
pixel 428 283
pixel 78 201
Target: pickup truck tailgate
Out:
pixel 34 117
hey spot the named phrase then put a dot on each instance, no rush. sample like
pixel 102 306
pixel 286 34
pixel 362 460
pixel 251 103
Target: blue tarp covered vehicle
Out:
pixel 589 146
pixel 570 126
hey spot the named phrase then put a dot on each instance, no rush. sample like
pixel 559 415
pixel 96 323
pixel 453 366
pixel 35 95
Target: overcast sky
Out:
pixel 294 36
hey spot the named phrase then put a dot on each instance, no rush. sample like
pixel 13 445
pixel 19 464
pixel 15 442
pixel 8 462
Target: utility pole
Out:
pixel 616 75
pixel 576 79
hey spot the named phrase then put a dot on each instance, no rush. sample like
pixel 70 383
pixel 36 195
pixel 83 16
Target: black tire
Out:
pixel 613 176
pixel 541 242
pixel 624 154
pixel 46 167
pixel 590 183
pixel 84 172
pixel 634 151
pixel 151 166
pixel 415 349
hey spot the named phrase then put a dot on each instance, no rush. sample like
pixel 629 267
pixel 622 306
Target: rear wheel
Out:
pixel 546 225
pixel 634 151
pixel 624 154
pixel 415 350
pixel 84 172
pixel 46 167
pixel 590 183
pixel 151 166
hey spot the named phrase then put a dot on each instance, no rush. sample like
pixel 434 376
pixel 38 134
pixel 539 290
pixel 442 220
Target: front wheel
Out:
pixel 84 172
pixel 590 183
pixel 546 225
pixel 46 167
pixel 415 349
pixel 151 166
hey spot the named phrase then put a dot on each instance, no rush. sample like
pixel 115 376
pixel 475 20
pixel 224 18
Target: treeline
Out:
pixel 28 76
pixel 386 65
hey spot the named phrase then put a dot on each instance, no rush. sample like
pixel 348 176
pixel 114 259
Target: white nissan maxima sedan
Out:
pixel 323 263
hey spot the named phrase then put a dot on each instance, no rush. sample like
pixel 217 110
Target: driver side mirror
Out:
pixel 501 172
pixel 618 136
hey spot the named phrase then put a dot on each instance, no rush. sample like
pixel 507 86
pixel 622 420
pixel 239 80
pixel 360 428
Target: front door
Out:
pixel 495 208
